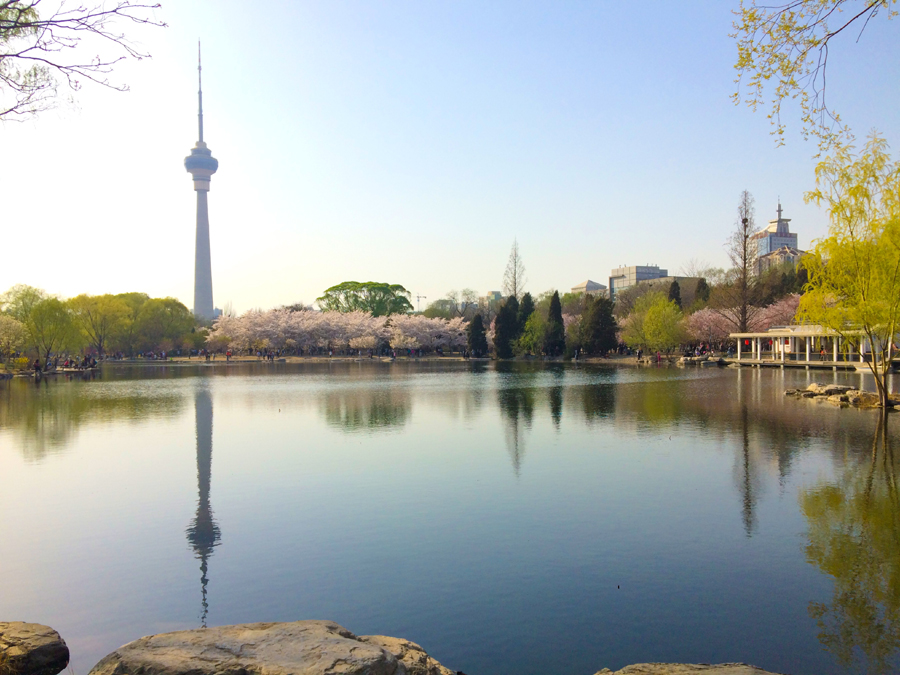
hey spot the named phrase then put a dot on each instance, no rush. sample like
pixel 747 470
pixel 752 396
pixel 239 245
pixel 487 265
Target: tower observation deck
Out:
pixel 202 165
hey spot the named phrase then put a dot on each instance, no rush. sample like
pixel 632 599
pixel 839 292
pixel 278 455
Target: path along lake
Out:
pixel 513 518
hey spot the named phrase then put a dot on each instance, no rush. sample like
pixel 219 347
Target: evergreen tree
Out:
pixel 555 340
pixel 702 292
pixel 476 339
pixel 675 293
pixel 598 327
pixel 505 328
pixel 526 307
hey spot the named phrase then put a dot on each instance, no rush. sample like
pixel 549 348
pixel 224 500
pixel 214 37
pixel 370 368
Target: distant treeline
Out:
pixel 36 323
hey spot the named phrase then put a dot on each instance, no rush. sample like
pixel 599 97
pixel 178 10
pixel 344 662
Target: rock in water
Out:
pixel 409 654
pixel 298 648
pixel 688 669
pixel 32 649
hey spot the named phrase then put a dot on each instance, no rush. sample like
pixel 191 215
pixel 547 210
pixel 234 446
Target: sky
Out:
pixel 412 143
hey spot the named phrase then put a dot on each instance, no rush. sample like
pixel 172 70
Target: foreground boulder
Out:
pixel 300 647
pixel 687 669
pixel 31 649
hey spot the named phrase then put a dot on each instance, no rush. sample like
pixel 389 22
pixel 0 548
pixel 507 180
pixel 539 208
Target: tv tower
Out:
pixel 202 165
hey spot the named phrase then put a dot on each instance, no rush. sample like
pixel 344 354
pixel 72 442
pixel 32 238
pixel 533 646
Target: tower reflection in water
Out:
pixel 203 533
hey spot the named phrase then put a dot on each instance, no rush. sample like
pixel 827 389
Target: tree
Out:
pixel 702 292
pixel 533 336
pixel 505 328
pixel 443 308
pixel 13 337
pixel 787 46
pixel 736 298
pixel 100 317
pixel 656 323
pixel 37 52
pixel 514 276
pixel 555 337
pixel 128 337
pixel 376 298
pixel 675 293
pixel 854 272
pixel 597 330
pixel 162 323
pixel 526 309
pixel 19 300
pixel 50 327
pixel 476 339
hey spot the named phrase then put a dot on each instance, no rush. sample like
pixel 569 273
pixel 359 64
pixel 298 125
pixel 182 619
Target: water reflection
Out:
pixel 854 537
pixel 203 533
pixel 46 415
pixel 367 409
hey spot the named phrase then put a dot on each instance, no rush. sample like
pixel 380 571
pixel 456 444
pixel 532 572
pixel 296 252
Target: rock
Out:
pixel 828 389
pixel 791 392
pixel 687 669
pixel 409 654
pixel 808 394
pixel 866 399
pixel 838 398
pixel 32 649
pixel 307 647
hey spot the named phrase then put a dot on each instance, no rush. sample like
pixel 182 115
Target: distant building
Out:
pixel 776 235
pixel 493 296
pixel 590 288
pixel 778 257
pixel 624 277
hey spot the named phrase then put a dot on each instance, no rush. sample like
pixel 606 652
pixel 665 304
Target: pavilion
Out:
pixel 797 345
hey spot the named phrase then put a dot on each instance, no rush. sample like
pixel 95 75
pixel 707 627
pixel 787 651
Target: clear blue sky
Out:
pixel 410 142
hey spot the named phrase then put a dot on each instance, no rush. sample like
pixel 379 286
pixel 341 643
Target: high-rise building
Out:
pixel 202 165
pixel 776 235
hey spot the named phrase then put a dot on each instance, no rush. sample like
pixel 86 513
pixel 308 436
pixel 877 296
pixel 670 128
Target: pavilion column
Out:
pixel 835 341
pixel 783 350
pixel 807 349
pixel 862 351
pixel 739 349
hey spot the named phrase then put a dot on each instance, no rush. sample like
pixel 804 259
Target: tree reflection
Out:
pixel 367 409
pixel 746 482
pixel 854 536
pixel 46 416
pixel 517 407
pixel 203 532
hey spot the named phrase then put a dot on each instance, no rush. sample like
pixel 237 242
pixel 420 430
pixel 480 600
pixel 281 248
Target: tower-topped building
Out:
pixel 202 165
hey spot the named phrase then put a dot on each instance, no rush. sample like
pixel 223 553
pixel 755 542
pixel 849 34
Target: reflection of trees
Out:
pixel 203 532
pixel 517 407
pixel 747 477
pixel 854 536
pixel 47 415
pixel 367 409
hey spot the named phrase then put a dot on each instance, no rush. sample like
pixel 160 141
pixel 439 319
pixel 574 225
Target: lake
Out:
pixel 510 518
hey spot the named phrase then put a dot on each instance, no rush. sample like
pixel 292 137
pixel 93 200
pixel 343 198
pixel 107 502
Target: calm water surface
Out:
pixel 510 519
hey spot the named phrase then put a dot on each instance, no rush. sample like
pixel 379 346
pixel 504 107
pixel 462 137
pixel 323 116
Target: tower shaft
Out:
pixel 203 294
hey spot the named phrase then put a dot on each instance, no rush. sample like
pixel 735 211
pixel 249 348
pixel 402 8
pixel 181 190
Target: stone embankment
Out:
pixel 297 648
pixel 839 394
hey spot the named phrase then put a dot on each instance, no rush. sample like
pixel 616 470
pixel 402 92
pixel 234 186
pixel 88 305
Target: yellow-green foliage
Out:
pixel 854 272
pixel 655 323
pixel 783 47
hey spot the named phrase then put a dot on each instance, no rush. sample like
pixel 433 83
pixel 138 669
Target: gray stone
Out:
pixel 687 669
pixel 298 648
pixel 32 649
pixel 838 398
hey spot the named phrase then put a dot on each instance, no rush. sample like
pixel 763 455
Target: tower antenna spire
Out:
pixel 200 92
